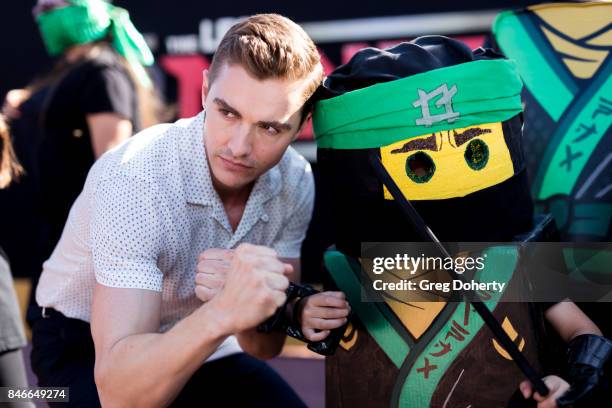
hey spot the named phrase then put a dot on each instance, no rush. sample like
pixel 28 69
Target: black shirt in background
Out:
pixel 97 85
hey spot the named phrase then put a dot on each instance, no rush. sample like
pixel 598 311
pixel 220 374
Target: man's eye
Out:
pixel 228 114
pixel 270 130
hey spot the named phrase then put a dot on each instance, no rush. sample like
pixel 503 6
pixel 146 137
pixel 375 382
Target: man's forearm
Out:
pixel 261 345
pixel 265 345
pixel 150 369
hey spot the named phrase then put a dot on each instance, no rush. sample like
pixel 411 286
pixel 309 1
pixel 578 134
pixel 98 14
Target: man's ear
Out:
pixel 205 88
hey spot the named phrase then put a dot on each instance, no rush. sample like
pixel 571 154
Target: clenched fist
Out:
pixel 211 270
pixel 250 288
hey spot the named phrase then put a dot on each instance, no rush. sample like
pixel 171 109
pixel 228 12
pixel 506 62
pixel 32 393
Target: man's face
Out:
pixel 249 124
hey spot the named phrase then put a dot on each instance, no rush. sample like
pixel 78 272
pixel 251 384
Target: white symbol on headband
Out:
pixel 446 99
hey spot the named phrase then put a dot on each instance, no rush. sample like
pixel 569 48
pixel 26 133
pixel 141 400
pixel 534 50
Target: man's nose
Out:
pixel 241 143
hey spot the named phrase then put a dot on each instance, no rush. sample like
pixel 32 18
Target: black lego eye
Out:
pixel 420 167
pixel 477 154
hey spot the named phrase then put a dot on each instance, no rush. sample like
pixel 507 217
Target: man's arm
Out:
pixel 135 365
pixel 268 345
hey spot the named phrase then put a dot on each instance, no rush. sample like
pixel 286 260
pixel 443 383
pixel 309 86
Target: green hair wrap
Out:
pixel 85 21
pixel 468 94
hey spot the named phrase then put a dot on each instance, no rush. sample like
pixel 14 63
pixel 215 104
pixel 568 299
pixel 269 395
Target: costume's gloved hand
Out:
pixel 587 355
pixel 281 322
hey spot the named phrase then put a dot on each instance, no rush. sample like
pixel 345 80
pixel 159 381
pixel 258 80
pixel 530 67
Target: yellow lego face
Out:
pixel 449 164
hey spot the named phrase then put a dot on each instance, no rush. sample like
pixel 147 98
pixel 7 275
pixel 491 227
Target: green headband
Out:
pixel 86 21
pixel 458 96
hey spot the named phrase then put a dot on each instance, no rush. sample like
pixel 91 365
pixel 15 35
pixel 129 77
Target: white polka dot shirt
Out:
pixel 148 208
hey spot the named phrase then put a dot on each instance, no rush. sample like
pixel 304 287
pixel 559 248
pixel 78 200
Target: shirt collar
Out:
pixel 196 172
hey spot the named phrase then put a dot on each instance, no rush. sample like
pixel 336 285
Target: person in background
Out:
pixel 97 95
pixel 12 337
pixel 93 101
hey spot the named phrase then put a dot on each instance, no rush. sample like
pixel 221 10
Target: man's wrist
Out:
pixel 216 318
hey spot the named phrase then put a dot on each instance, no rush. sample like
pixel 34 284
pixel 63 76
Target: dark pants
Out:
pixel 63 356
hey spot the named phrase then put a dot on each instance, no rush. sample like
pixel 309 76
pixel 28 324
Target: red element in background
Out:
pixel 328 66
pixel 187 69
pixel 350 49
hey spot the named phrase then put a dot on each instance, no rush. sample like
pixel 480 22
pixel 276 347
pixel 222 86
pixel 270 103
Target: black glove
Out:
pixel 587 355
pixel 280 322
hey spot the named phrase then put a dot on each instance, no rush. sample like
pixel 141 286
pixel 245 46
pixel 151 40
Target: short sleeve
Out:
pixel 127 234
pixel 289 242
pixel 108 89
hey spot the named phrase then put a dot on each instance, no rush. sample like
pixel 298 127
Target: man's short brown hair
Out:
pixel 270 46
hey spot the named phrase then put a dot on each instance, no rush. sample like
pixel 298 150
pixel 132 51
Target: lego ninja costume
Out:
pixel 446 123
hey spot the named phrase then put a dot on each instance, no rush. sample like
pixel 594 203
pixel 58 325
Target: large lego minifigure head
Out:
pixel 446 124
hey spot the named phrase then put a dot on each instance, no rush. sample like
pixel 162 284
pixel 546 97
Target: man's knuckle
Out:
pixel 268 296
pixel 257 279
pixel 251 259
pixel 244 248
pixel 281 298
pixel 260 301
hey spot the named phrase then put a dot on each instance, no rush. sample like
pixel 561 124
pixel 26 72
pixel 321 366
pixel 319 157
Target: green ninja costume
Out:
pixel 445 122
